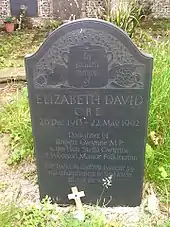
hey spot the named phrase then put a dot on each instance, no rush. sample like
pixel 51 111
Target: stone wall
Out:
pixel 45 8
pixel 65 9
pixel 4 8
pixel 160 8
pixel 93 8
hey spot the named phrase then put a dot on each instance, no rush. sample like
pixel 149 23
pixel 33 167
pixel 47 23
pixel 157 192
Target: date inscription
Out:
pixel 101 123
pixel 94 130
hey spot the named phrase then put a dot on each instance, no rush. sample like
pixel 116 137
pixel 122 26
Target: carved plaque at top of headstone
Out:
pixel 89 89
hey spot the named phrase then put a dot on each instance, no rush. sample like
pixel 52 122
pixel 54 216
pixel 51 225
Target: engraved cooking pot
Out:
pixel 87 66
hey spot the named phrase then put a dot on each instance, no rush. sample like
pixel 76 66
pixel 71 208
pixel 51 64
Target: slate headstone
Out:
pixel 32 7
pixel 89 90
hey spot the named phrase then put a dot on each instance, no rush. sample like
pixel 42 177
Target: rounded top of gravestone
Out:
pixel 89 25
pixel 89 53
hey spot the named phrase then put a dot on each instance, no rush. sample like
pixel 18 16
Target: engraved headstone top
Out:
pixel 89 89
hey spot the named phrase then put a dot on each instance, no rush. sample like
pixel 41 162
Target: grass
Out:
pixel 158 168
pixel 8 213
pixel 14 46
pixel 47 215
pixel 15 121
pixel 157 26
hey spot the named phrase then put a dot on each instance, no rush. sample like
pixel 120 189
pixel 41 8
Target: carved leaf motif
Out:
pixel 121 55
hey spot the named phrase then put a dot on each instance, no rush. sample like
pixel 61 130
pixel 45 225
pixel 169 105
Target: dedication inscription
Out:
pixel 89 89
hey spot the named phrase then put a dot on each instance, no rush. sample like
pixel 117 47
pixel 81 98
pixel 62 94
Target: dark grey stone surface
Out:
pixel 32 7
pixel 89 89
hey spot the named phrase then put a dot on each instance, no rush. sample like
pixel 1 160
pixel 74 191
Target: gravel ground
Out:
pixel 17 182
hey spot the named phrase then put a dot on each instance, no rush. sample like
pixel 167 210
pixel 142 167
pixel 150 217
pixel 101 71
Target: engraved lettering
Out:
pixel 120 157
pixel 77 111
pixel 105 135
pixel 92 142
pixel 114 150
pixel 77 122
pixel 90 156
pixel 85 73
pixel 138 100
pixel 91 149
pixel 84 135
pixel 95 99
pixel 64 100
pixel 117 100
pixel 127 99
pixel 122 100
pixel 72 99
pixel 57 99
pixel 87 112
pixel 130 123
pixel 98 112
pixel 39 99
pixel 67 99
pixel 51 122
pixel 113 143
pixel 110 123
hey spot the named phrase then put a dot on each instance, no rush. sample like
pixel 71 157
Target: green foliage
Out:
pixel 127 17
pixel 158 168
pixel 15 121
pixel 51 24
pixel 159 117
pixel 43 215
pixel 159 29
pixel 13 47
pixel 167 224
pixel 47 215
pixel 150 155
pixel 158 156
pixel 156 25
pixel 92 219
pixel 9 19
pixel 8 214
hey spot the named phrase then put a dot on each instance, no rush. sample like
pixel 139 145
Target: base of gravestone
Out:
pixel 124 215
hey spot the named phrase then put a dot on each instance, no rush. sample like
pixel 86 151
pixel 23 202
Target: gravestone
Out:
pixel 32 7
pixel 89 89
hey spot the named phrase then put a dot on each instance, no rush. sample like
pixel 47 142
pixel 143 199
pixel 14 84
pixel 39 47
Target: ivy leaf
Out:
pixel 149 152
pixel 163 172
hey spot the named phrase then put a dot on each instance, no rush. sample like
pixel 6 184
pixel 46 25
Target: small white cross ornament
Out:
pixel 76 196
